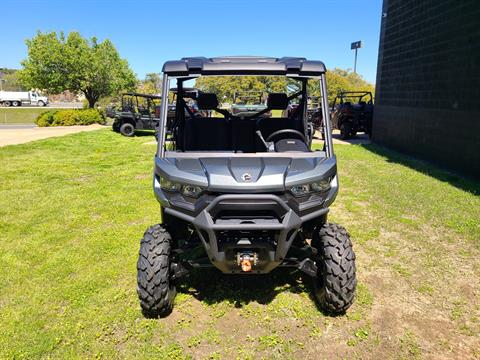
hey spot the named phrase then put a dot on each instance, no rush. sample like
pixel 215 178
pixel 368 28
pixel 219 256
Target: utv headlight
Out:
pixel 322 185
pixel 186 190
pixel 191 190
pixel 169 185
pixel 300 190
pixel 305 189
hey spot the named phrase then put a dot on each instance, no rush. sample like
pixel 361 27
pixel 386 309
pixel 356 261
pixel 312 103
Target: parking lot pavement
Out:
pixel 359 139
pixel 52 105
pixel 17 126
pixel 20 134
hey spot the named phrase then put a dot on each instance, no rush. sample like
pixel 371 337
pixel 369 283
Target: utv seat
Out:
pixel 207 133
pixel 243 134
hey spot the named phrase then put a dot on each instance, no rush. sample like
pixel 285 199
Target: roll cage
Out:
pixel 132 101
pixel 191 68
pixel 360 95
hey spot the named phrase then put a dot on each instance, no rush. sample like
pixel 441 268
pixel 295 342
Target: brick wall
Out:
pixel 428 81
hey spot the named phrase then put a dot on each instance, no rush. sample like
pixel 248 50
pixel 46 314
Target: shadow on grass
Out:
pixel 145 133
pixel 211 286
pixel 460 181
pixel 141 133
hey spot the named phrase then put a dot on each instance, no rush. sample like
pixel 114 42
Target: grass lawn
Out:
pixel 20 115
pixel 72 211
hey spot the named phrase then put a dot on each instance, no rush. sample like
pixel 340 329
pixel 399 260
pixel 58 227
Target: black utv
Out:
pixel 248 194
pixel 137 112
pixel 352 112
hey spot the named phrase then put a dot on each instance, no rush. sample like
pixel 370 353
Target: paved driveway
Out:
pixel 20 134
pixel 359 139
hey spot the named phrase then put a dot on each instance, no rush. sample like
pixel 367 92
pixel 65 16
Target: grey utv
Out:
pixel 244 194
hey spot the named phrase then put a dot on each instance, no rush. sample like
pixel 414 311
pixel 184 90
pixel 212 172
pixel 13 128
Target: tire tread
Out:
pixel 336 283
pixel 154 288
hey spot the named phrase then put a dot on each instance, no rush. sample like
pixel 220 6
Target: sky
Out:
pixel 148 33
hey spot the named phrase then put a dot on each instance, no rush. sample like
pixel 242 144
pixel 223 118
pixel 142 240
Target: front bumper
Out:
pixel 270 237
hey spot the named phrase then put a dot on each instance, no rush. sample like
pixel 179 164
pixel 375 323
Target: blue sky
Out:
pixel 147 33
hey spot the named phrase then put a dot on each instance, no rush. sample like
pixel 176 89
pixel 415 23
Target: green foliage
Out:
pixel 152 84
pixel 10 80
pixel 343 80
pixel 57 63
pixel 226 86
pixel 337 80
pixel 70 117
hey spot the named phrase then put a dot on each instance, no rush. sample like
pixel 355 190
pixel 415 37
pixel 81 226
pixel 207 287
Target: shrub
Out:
pixel 70 117
pixel 46 118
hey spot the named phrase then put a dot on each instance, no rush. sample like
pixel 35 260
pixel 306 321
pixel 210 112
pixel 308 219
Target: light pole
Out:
pixel 355 46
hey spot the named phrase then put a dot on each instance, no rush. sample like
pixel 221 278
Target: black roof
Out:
pixel 357 93
pixel 244 65
pixel 150 96
pixel 185 89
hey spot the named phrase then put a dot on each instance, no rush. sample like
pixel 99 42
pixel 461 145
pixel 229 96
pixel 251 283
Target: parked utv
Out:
pixel 189 96
pixel 245 195
pixel 137 112
pixel 351 118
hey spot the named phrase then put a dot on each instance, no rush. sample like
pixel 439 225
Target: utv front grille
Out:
pixel 247 215
pixel 246 237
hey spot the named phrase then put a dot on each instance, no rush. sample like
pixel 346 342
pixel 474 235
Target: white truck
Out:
pixel 18 98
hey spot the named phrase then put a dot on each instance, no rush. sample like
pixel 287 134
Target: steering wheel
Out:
pixel 277 133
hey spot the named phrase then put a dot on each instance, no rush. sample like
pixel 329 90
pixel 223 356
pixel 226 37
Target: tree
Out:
pixel 337 80
pixel 341 80
pixel 56 64
pixel 9 79
pixel 152 84
pixel 226 86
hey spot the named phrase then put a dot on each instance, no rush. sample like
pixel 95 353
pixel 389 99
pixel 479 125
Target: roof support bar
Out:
pixel 326 116
pixel 162 130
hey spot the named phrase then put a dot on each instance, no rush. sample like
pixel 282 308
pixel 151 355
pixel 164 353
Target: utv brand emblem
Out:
pixel 246 177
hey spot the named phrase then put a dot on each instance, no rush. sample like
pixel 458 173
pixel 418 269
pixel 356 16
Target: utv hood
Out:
pixel 246 174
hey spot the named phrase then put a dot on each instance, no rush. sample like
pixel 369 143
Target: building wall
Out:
pixel 428 81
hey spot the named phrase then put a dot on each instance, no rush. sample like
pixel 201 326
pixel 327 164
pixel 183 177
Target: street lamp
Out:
pixel 355 46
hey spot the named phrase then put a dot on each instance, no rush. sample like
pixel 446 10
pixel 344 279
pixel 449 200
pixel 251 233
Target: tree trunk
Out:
pixel 91 98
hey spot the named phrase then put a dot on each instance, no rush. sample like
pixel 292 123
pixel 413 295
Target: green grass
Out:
pixel 20 115
pixel 72 212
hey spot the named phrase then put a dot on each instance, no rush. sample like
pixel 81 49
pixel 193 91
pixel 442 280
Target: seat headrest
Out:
pixel 277 101
pixel 207 101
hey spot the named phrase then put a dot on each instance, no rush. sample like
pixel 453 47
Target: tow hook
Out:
pixel 246 261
